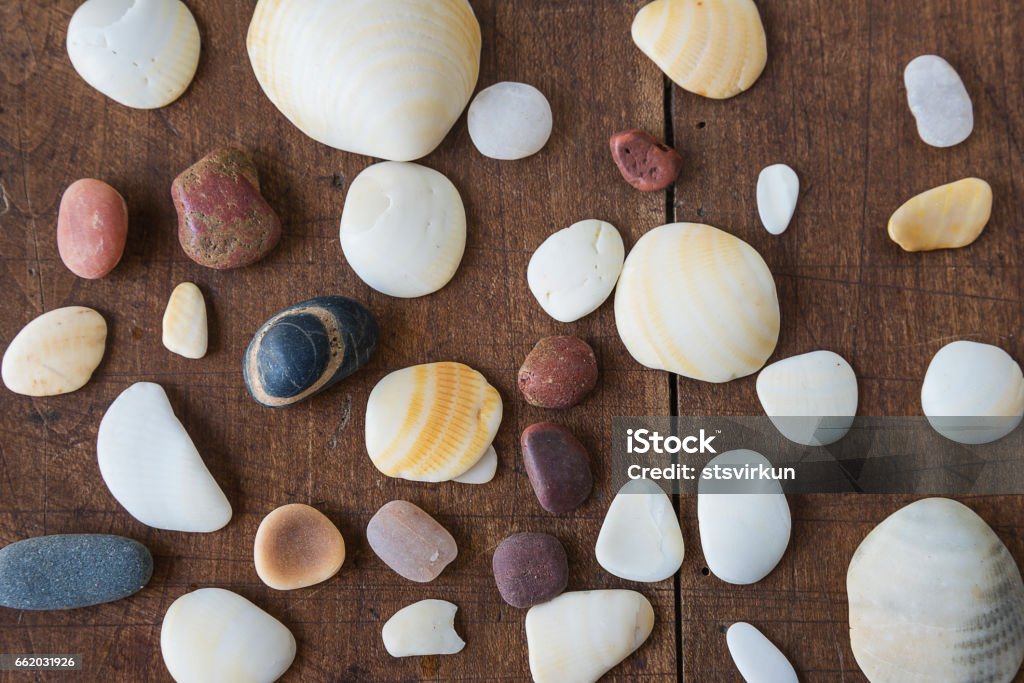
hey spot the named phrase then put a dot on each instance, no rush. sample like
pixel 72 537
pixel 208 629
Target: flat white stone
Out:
pixel 403 228
pixel 423 628
pixel 575 270
pixel 744 533
pixel 212 635
pixel 777 190
pixel 509 120
pixel 153 469
pixel 184 325
pixel 56 353
pixel 939 101
pixel 973 393
pixel 640 539
pixel 483 471
pixel 756 657
pixel 811 398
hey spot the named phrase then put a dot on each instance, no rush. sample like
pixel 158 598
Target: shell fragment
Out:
pixel 184 325
pixel 423 628
pixel 56 353
pixel 777 190
pixel 944 217
pixel 483 471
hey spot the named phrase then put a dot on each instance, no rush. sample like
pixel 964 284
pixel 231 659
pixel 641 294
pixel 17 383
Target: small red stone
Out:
pixel 558 373
pixel 92 228
pixel 645 163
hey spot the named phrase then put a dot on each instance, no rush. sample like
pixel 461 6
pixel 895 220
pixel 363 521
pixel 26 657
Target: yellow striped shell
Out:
pixel 431 422
pixel 184 325
pixel 696 301
pixel 385 78
pixel 714 48
pixel 944 217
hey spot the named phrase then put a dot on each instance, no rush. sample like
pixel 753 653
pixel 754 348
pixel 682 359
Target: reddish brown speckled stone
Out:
pixel 558 372
pixel 645 163
pixel 223 220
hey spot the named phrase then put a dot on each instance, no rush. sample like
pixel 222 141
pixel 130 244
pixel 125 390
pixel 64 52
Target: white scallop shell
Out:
pixel 423 628
pixel 640 539
pixel 184 325
pixel 696 301
pixel 141 53
pixel 973 393
pixel 935 596
pixel 811 398
pixel 384 78
pixel 403 228
pixel 153 469
pixel 579 636
pixel 56 353
pixel 213 635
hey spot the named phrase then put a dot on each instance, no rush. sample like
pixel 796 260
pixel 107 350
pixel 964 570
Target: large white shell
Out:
pixel 640 539
pixel 973 393
pixel 141 53
pixel 212 635
pixel 579 636
pixel 56 353
pixel 184 325
pixel 743 535
pixel 696 301
pixel 384 78
pixel 811 398
pixel 423 628
pixel 757 658
pixel 151 466
pixel 939 101
pixel 403 228
pixel 935 596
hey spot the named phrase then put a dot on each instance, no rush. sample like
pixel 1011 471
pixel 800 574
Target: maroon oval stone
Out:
pixel 223 220
pixel 530 568
pixel 558 466
pixel 558 372
pixel 645 163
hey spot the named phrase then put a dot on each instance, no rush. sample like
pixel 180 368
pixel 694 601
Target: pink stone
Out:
pixel 92 228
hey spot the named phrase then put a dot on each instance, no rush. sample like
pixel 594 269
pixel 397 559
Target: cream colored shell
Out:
pixel 384 78
pixel 184 325
pixel 935 596
pixel 696 301
pixel 56 353
pixel 944 217
pixel 140 53
pixel 714 48
pixel 431 422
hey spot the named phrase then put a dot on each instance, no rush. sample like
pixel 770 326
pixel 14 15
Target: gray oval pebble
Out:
pixel 72 570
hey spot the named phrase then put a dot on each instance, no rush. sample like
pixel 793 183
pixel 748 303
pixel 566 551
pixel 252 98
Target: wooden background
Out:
pixel 830 103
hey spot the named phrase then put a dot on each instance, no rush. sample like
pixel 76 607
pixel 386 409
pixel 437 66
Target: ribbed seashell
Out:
pixel 696 301
pixel 973 393
pixel 714 48
pixel 384 78
pixel 431 422
pixel 151 466
pixel 56 353
pixel 141 53
pixel 811 398
pixel 944 217
pixel 580 636
pixel 184 325
pixel 935 596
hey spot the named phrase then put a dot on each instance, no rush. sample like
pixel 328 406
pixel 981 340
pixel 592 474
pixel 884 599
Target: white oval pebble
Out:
pixel 153 469
pixel 483 471
pixel 140 53
pixel 939 101
pixel 184 326
pixel 811 398
pixel 777 190
pixel 509 121
pixel 574 270
pixel 743 535
pixel 640 539
pixel 973 393
pixel 423 628
pixel 403 228
pixel 56 353
pixel 212 635
pixel 756 657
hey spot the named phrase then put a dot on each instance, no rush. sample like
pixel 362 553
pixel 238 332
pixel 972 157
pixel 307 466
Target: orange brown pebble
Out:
pixel 92 228
pixel 297 546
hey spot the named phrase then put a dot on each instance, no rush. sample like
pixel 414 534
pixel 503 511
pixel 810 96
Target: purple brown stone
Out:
pixel 223 220
pixel 645 163
pixel 558 467
pixel 530 568
pixel 558 373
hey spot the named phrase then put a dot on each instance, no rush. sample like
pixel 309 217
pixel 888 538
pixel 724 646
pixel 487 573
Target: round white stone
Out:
pixel 574 270
pixel 939 101
pixel 509 120
pixel 756 657
pixel 403 229
pixel 423 628
pixel 640 539
pixel 777 190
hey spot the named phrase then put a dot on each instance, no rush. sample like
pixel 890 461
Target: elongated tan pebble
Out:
pixel 56 353
pixel 184 327
pixel 297 546
pixel 944 217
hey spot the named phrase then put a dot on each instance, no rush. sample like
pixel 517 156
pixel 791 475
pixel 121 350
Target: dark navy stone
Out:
pixel 307 348
pixel 72 570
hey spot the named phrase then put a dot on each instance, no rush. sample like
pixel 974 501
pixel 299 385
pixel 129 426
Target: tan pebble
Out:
pixel 56 353
pixel 410 541
pixel 944 217
pixel 184 327
pixel 297 546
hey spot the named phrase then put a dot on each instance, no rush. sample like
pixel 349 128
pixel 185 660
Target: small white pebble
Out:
pixel 509 121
